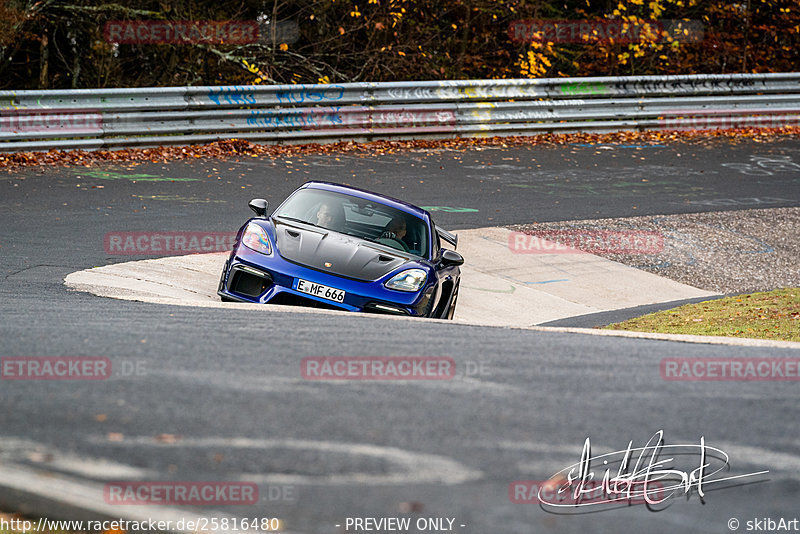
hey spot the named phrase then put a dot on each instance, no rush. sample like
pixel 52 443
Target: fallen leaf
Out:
pixel 167 438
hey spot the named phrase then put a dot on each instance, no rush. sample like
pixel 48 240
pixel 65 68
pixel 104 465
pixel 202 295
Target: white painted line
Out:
pixel 409 467
pixel 684 338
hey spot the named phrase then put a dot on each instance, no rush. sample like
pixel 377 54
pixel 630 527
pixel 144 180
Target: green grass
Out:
pixel 769 315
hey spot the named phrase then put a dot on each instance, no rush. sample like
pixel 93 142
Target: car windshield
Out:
pixel 357 217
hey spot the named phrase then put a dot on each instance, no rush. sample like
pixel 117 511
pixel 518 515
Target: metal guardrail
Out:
pixel 118 118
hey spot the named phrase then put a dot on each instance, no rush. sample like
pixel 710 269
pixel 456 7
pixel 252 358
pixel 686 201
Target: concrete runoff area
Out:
pixel 498 286
pixel 504 288
pixel 730 252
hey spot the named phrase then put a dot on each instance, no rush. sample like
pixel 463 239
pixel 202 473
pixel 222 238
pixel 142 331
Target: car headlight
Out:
pixel 410 280
pixel 255 238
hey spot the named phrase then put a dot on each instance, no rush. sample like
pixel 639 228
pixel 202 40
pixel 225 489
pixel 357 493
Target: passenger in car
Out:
pixel 328 216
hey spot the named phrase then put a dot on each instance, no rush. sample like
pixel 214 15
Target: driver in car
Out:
pixel 394 233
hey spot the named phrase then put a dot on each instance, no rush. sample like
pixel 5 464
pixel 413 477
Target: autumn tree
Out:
pixel 62 43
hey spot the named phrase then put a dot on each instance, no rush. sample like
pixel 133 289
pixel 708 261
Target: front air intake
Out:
pixel 250 283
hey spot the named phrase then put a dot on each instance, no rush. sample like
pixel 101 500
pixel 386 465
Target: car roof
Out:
pixel 369 195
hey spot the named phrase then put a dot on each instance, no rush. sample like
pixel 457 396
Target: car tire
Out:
pixel 429 311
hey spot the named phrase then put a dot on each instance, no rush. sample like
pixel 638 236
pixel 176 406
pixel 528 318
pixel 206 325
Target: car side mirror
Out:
pixel 451 258
pixel 259 205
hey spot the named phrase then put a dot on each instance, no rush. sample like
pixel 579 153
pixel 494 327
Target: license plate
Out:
pixel 318 290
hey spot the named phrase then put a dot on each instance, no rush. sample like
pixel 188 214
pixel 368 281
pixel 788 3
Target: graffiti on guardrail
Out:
pixel 362 117
pixel 488 114
pixel 409 108
pixel 409 118
pixel 315 118
pixel 697 83
pixel 582 88
pixel 510 89
pixel 413 93
pixel 314 93
pixel 235 95
pixel 499 91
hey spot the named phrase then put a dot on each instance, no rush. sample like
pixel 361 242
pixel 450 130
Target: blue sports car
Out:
pixel 338 247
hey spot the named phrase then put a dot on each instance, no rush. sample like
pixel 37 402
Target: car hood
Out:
pixel 344 255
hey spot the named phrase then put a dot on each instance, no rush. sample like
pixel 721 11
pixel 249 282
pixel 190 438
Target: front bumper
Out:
pixel 252 277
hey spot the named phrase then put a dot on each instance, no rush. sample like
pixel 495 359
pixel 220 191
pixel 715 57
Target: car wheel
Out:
pixel 451 309
pixel 222 283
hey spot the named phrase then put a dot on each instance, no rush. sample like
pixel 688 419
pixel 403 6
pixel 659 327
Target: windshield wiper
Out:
pixel 293 219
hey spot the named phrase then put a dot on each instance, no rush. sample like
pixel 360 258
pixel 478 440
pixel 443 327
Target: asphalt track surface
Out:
pixel 220 396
